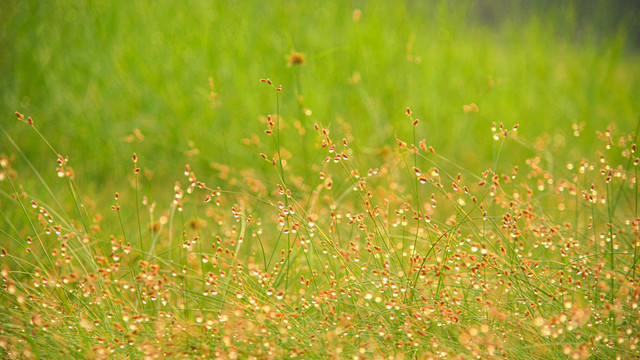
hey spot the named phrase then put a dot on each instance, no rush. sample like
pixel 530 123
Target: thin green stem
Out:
pixel 637 232
pixel 595 249
pixel 33 228
pixel 138 216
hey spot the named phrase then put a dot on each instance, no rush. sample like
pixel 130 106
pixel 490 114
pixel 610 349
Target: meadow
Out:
pixel 363 180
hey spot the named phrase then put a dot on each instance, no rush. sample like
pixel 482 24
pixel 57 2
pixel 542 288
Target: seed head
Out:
pixel 357 14
pixel 470 108
pixel 295 58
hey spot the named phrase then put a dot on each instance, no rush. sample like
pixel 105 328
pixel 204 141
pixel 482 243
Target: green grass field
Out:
pixel 364 180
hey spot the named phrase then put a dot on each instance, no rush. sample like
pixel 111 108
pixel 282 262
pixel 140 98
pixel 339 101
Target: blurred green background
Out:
pixel 90 72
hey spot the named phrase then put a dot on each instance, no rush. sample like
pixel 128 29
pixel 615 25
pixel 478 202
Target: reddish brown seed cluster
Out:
pixel 21 118
pixel 470 108
pixel 413 122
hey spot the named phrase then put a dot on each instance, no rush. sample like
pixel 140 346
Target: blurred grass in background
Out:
pixel 91 72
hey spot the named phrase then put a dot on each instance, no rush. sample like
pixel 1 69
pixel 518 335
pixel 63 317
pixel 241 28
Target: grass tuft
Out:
pixel 497 217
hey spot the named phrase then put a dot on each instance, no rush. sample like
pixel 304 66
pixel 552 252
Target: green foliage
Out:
pixel 497 217
pixel 96 71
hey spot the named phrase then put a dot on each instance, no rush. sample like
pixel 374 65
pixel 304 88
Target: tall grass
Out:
pixel 162 202
pixel 406 259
